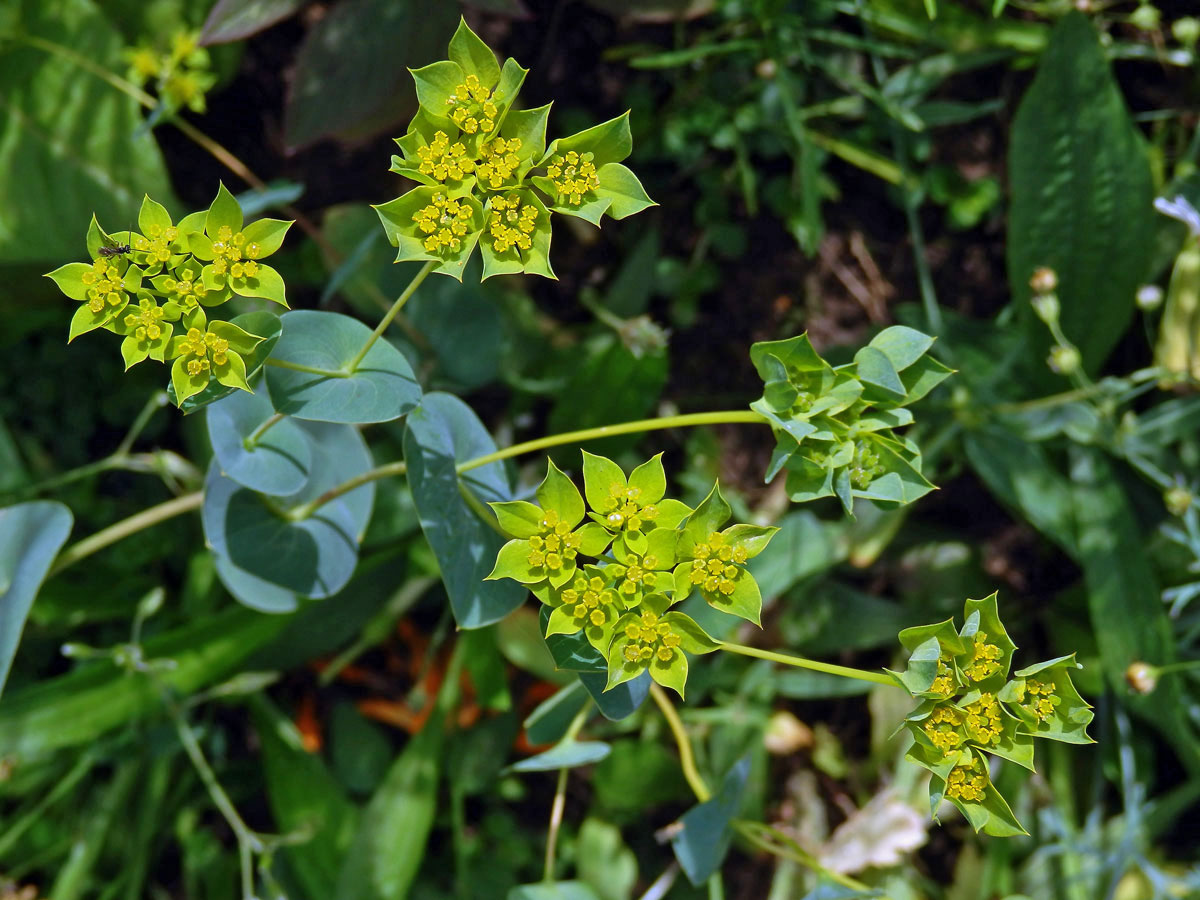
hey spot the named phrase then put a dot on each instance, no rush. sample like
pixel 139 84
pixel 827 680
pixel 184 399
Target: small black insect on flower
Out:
pixel 112 247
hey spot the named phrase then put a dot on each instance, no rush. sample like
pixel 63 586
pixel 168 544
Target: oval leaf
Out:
pixel 276 463
pixel 381 389
pixel 443 432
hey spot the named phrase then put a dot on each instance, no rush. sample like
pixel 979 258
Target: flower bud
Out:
pixel 1141 677
pixel 1149 297
pixel 1146 17
pixel 1186 30
pixel 1046 307
pixel 1064 360
pixel 1044 280
pixel 1177 500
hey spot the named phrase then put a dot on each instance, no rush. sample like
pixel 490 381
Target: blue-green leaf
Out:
pixel 443 432
pixel 620 702
pixel 701 844
pixel 313 557
pixel 382 388
pixel 553 716
pixel 277 463
pixel 31 535
pixel 564 755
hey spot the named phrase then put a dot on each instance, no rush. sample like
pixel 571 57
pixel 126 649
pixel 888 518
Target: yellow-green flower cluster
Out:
pixel 155 288
pixel 651 552
pixel 469 142
pixel 971 709
pixel 180 75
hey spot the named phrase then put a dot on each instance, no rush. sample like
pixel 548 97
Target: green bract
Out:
pixel 486 175
pixel 660 551
pixel 834 427
pixel 968 709
pixel 152 288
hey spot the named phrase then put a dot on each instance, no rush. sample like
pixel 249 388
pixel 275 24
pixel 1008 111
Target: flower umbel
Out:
pixel 958 719
pixel 573 176
pixel 445 223
pixel 444 161
pixel 511 223
pixel 471 107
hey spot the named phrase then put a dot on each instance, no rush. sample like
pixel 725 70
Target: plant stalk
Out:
pixel 802 663
pixel 125 528
pixel 352 366
pixel 687 761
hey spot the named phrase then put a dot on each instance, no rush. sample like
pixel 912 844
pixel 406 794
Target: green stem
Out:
pixel 482 511
pixel 156 402
pixel 802 663
pixel 560 798
pixel 775 842
pixel 311 370
pixel 248 840
pixel 687 761
pixel 352 366
pixel 252 441
pixel 909 187
pixel 385 471
pixel 554 440
pixel 602 431
pixel 1177 667
pixel 125 528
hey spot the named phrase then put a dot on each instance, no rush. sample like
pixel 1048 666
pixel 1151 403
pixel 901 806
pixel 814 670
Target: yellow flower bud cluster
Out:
pixel 554 545
pixel 639 576
pixel 146 323
pixel 511 223
pixel 232 255
pixel 650 639
pixel 944 682
pixel 104 285
pixel 156 243
pixel 188 290
pixel 444 161
pixel 588 600
pixel 471 107
pixel 202 347
pixel 573 175
pixel 499 161
pixel 985 661
pixel 1040 699
pixel 983 722
pixel 944 728
pixel 445 222
pixel 968 782
pixel 626 511
pixel 716 569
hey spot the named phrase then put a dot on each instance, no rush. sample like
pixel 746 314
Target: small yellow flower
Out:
pixel 471 107
pixel 511 223
pixel 967 782
pixel 444 161
pixel 445 223
pixel 573 175
pixel 499 161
